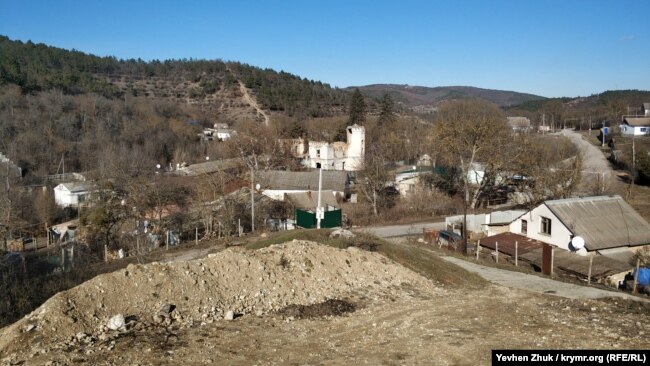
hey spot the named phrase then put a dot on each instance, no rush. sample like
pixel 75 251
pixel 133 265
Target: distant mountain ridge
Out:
pixel 421 98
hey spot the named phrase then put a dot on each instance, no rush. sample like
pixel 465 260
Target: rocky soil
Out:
pixel 303 303
pixel 226 285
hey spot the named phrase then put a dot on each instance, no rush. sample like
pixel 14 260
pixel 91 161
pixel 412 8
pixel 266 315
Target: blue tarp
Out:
pixel 644 277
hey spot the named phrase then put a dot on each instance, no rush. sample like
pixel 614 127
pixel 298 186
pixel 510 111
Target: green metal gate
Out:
pixel 307 219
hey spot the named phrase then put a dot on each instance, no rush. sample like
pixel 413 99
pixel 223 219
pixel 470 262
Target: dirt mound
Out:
pixel 235 281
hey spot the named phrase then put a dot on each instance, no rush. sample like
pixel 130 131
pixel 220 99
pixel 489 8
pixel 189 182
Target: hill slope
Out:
pixel 418 97
pixel 211 84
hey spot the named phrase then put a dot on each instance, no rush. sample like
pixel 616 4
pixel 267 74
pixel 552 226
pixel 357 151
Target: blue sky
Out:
pixel 551 48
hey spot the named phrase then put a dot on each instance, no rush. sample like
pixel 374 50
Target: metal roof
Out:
pixel 603 221
pixel 210 167
pixel 309 200
pixel 519 122
pixel 334 180
pixel 77 186
pixel 637 121
pixel 508 242
pixel 577 264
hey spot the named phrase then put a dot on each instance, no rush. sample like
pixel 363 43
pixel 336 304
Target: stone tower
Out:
pixel 356 137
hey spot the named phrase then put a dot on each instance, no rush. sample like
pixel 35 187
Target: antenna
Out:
pixel 577 243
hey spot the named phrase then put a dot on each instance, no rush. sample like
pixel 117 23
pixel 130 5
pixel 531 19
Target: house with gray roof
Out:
pixel 604 222
pixel 276 183
pixel 309 200
pixel 211 167
pixel 519 124
pixel 635 126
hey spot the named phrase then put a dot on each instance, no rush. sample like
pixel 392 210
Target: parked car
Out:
pixel 448 238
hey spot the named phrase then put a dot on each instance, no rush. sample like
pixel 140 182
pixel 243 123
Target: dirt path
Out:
pixel 250 100
pixel 392 231
pixel 541 285
pixel 595 166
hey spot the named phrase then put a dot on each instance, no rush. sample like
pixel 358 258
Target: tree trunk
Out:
pixel 374 204
pixel 463 243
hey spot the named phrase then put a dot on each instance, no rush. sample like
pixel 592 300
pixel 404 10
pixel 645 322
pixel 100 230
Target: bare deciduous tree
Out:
pixel 469 132
pixel 372 179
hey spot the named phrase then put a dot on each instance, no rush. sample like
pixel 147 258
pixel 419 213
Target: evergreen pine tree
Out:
pixel 386 116
pixel 357 109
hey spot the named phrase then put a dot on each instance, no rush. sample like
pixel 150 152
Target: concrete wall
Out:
pixel 474 222
pixel 478 222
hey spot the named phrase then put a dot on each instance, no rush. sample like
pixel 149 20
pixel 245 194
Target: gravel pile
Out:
pixel 221 287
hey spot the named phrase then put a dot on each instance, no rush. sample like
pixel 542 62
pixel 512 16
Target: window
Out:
pixel 545 226
pixel 318 153
pixel 524 227
pixel 644 129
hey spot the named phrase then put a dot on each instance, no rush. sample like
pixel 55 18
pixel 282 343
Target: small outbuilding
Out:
pixel 74 194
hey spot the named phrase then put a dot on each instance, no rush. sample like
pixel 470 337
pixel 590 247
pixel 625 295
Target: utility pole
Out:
pixel 252 202
pixel 633 156
pixel 320 213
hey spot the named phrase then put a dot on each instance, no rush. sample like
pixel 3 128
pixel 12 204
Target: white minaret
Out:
pixel 356 136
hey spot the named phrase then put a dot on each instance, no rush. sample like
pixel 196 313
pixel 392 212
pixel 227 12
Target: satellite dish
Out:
pixel 157 166
pixel 258 186
pixel 577 242
pixel 207 158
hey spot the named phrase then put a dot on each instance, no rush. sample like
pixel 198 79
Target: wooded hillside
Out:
pixel 213 84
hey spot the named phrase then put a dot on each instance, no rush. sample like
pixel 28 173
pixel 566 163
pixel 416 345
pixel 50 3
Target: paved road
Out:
pixel 393 231
pixel 537 284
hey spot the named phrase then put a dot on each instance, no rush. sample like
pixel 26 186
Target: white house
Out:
pixel 338 155
pixel 604 222
pixel 276 183
pixel 407 181
pixel 476 173
pixel 73 194
pixel 635 126
pixel 219 132
pixel 519 124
